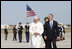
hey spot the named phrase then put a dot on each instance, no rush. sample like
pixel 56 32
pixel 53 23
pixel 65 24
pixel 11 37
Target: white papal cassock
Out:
pixel 36 40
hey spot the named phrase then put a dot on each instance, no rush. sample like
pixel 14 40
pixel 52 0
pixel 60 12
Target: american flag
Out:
pixel 30 12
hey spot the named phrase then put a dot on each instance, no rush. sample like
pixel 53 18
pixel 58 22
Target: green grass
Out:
pixel 68 29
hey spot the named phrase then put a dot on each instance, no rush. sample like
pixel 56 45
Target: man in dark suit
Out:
pixel 14 33
pixel 51 32
pixel 5 32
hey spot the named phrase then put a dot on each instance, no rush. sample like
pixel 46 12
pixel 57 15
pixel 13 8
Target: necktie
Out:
pixel 51 25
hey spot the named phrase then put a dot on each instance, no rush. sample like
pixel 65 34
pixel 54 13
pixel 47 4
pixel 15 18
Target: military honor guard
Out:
pixel 27 32
pixel 20 28
pixel 61 31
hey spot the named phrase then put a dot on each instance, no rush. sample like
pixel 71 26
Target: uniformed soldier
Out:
pixel 60 30
pixel 27 32
pixel 14 33
pixel 5 32
pixel 20 28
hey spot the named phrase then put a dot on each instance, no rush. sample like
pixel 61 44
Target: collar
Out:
pixel 51 21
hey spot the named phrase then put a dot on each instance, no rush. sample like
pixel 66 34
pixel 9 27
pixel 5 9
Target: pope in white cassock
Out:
pixel 36 30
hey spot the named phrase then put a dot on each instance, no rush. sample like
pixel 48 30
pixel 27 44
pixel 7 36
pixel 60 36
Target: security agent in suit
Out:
pixel 51 32
pixel 5 32
pixel 14 33
pixel 20 28
pixel 27 32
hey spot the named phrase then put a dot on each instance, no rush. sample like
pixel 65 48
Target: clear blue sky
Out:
pixel 13 12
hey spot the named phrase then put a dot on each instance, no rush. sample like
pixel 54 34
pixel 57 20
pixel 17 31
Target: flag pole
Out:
pixel 26 19
pixel 26 16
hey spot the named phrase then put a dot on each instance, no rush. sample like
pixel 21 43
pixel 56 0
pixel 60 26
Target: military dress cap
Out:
pixel 27 23
pixel 20 23
pixel 61 23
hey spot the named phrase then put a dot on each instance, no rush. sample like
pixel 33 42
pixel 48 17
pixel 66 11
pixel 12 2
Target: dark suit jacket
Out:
pixel 51 34
pixel 5 31
pixel 14 30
